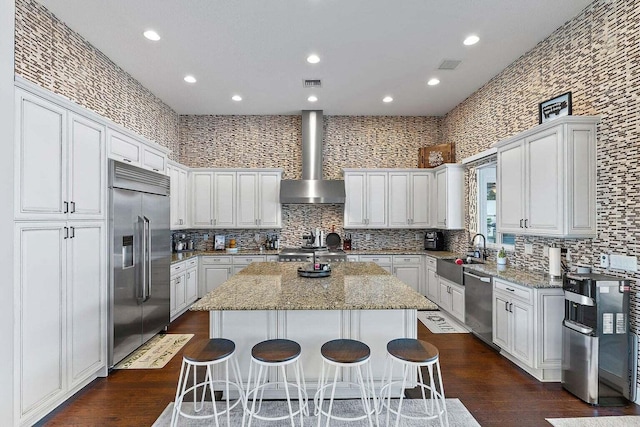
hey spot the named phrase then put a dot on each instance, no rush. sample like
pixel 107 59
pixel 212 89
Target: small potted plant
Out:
pixel 502 257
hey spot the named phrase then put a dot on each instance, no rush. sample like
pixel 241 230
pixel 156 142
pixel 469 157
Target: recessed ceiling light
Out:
pixel 471 40
pixel 190 79
pixel 151 35
pixel 236 98
pixel 387 99
pixel 313 59
pixel 312 98
pixel 433 82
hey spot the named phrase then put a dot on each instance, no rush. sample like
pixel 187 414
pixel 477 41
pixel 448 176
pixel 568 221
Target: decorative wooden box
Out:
pixel 435 155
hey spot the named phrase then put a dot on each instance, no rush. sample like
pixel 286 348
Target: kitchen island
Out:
pixel 269 300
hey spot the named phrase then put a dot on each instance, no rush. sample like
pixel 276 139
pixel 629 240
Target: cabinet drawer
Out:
pixel 246 260
pixel 216 260
pixel 525 294
pixel 192 262
pixel 431 262
pixel 406 259
pixel 178 267
pixel 378 259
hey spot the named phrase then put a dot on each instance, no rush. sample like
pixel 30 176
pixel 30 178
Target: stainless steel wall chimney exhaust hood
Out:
pixel 312 188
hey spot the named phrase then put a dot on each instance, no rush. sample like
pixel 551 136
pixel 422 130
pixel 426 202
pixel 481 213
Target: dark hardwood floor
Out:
pixel 494 390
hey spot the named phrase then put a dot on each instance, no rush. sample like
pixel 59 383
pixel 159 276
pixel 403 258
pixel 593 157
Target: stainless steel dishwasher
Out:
pixel 478 311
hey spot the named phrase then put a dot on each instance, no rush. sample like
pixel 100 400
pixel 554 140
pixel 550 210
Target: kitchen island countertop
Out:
pixel 277 286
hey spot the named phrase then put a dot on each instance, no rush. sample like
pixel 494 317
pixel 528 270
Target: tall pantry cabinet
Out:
pixel 59 258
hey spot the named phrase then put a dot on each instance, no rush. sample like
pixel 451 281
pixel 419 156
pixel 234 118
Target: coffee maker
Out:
pixel 434 240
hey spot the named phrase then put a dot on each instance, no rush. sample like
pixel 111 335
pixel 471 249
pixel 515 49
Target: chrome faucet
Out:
pixel 484 245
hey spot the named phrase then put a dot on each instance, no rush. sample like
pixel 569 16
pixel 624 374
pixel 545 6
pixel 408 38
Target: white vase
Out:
pixel 501 261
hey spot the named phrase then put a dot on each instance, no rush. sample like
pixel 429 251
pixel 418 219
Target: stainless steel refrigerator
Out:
pixel 140 257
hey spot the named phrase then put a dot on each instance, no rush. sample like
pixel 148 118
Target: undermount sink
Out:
pixel 448 268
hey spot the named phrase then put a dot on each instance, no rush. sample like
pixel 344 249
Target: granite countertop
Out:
pixel 516 275
pixel 277 286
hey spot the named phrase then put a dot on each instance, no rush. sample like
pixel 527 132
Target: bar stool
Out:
pixel 218 351
pixel 275 353
pixel 412 354
pixel 345 353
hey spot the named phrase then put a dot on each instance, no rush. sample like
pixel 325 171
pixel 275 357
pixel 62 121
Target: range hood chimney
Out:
pixel 312 188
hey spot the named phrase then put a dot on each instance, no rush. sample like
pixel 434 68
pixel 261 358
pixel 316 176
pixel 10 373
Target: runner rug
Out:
pixel 459 416
pixel 439 322
pixel 613 421
pixel 156 352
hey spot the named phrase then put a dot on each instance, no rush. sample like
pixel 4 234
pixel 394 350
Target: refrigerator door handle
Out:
pixel 143 257
pixel 147 259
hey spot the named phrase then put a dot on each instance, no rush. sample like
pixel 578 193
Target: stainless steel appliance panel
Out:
pixel 478 314
pixel 140 257
pixel 126 311
pixel 580 364
pixel 156 307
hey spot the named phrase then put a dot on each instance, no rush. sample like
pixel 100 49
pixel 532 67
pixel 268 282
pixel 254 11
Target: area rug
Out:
pixel 613 421
pixel 156 352
pixel 459 416
pixel 439 322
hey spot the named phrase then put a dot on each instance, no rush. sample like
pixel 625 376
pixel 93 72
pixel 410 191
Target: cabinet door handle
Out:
pixel 73 232
pixel 66 207
pixel 73 207
pixel 511 308
pixel 189 275
pixel 126 160
pixel 520 223
pixel 66 232
pixel 525 223
pixel 506 306
pixel 511 290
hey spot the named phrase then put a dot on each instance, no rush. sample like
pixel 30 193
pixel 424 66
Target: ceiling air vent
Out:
pixel 449 64
pixel 312 83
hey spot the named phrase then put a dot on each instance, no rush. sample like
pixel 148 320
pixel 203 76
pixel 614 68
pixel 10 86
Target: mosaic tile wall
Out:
pixel 595 56
pixel 51 55
pixel 274 141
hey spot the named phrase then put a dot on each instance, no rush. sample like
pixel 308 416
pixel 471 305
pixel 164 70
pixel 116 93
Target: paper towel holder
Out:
pixel 555 262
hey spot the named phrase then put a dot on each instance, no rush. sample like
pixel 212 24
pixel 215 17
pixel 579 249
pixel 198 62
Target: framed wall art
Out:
pixel 556 107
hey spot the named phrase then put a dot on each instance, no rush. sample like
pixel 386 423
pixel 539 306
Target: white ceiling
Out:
pixel 368 49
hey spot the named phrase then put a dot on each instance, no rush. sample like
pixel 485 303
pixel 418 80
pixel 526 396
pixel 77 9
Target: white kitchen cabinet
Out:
pixel 366 203
pixel 527 326
pixel 60 162
pixel 184 286
pixel 546 179
pixel 258 199
pixel 213 199
pixel 179 191
pixel 61 321
pixel 451 298
pixel 408 268
pixel 384 261
pixel 448 197
pixel 241 261
pixel 409 194
pixel 213 271
pixel 432 284
pixel 128 148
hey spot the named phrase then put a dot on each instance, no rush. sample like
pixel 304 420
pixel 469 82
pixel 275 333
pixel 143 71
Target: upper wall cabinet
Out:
pixel 60 162
pixel 213 199
pixel 128 149
pixel 179 188
pixel 409 193
pixel 448 197
pixel 258 199
pixel 366 198
pixel 546 179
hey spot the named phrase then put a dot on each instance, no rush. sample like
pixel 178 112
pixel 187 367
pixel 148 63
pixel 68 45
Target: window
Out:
pixel 487 209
